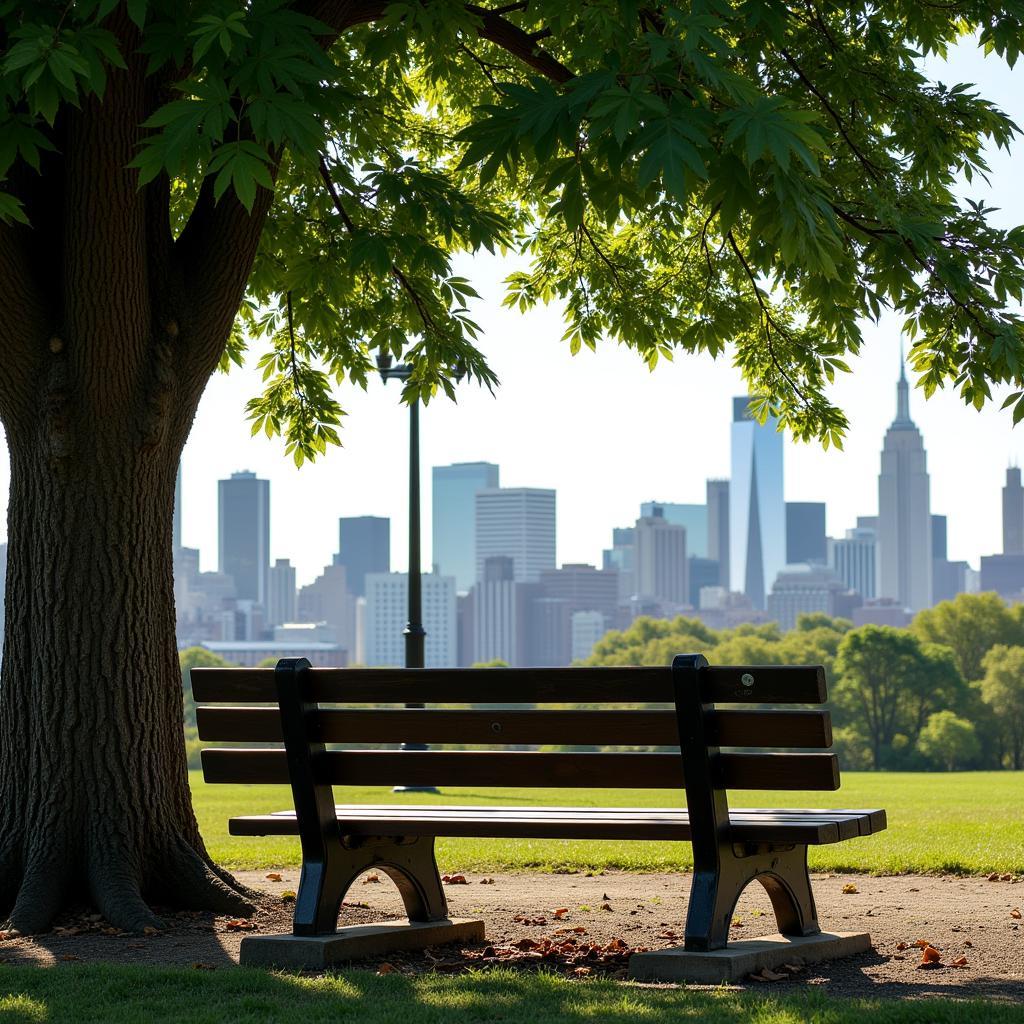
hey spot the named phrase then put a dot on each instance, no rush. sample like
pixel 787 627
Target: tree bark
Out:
pixel 94 798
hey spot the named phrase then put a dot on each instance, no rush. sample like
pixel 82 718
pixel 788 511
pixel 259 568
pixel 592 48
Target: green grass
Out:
pixel 118 995
pixel 967 822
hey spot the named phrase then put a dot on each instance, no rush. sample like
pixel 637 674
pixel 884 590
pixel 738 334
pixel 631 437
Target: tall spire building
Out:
pixel 1013 513
pixel 757 509
pixel 904 570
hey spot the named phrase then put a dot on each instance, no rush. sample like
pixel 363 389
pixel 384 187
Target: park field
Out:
pixel 958 822
pixel 124 995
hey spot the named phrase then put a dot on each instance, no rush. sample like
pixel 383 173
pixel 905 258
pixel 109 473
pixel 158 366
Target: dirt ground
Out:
pixel 603 918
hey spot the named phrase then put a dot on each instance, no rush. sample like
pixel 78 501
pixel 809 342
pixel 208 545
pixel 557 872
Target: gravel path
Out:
pixel 970 918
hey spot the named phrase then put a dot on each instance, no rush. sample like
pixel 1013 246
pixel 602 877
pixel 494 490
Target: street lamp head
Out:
pixel 383 364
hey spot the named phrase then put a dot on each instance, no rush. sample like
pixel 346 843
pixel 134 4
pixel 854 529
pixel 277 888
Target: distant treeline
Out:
pixel 945 694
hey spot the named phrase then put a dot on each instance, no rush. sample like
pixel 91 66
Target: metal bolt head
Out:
pixel 495 726
pixel 747 679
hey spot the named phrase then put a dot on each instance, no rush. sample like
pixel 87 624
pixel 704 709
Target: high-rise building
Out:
pixel 387 612
pixel 757 510
pixel 1004 574
pixel 620 558
pixel 518 522
pixel 364 546
pixel 583 588
pixel 853 558
pixel 718 527
pixel 500 614
pixel 243 534
pixel 587 630
pixel 454 517
pixel 948 579
pixel 281 600
pixel 904 517
pixel 327 599
pixel 1013 513
pixel 693 517
pixel 661 561
pixel 805 533
pixel 798 592
pixel 939 531
pixel 701 573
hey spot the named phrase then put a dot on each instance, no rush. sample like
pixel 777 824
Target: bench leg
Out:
pixel 714 894
pixel 409 863
pixel 788 885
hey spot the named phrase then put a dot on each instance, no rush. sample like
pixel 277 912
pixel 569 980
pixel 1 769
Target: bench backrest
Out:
pixel 695 722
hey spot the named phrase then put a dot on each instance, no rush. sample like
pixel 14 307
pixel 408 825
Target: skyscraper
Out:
pixel 757 510
pixel 454 517
pixel 243 534
pixel 518 522
pixel 281 603
pixel 661 561
pixel 805 533
pixel 364 545
pixel 904 518
pixel 718 527
pixel 693 517
pixel 327 599
pixel 853 558
pixel 1013 513
pixel 387 612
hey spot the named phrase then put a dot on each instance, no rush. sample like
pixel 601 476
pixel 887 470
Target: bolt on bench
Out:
pixel 731 847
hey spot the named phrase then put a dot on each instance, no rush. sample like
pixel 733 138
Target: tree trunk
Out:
pixel 94 798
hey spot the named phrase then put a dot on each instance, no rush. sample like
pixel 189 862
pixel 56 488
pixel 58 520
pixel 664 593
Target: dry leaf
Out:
pixel 525 944
pixel 969 944
pixel 1015 913
pixel 922 943
pixel 561 912
pixel 239 925
pixel 994 877
pixel 606 906
pixel 11 933
pixel 959 962
pixel 1006 878
pixel 901 946
pixel 386 968
pixel 582 971
pixel 849 889
pixel 772 975
pixel 930 955
pixel 274 876
pixel 288 896
pixel 150 930
pixel 371 878
pixel 487 881
pixel 454 880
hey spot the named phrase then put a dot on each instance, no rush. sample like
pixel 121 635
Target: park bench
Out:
pixel 731 847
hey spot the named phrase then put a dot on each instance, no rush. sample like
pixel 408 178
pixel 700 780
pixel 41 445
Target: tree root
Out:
pixel 116 885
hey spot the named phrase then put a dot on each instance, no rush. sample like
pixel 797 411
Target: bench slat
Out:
pixel 654 728
pixel 772 684
pixel 812 827
pixel 493 768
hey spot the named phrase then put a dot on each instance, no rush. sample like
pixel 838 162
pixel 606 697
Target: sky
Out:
pixel 603 430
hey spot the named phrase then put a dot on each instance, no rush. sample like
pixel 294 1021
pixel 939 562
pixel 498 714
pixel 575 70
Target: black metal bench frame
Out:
pixel 723 866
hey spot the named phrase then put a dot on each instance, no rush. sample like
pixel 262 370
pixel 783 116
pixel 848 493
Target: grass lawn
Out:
pixel 966 822
pixel 117 995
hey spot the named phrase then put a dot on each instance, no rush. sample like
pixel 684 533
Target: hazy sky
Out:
pixel 603 430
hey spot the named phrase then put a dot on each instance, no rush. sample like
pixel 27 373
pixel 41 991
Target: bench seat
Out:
pixel 810 827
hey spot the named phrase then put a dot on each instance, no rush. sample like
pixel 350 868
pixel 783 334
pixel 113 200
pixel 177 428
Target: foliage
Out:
pixel 970 625
pixel 679 179
pixel 1002 690
pixel 949 740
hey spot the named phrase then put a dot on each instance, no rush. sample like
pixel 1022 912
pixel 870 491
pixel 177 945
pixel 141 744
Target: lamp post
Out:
pixel 414 633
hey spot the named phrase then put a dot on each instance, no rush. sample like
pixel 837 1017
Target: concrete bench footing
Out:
pixel 744 957
pixel 355 942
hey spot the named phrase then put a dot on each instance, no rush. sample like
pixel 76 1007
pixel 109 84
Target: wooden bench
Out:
pixel 731 847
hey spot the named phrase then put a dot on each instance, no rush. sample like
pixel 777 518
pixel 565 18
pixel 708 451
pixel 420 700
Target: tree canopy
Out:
pixel 680 178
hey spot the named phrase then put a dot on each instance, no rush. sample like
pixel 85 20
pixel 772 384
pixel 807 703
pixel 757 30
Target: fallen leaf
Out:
pixel 454 880
pixel 930 955
pixel 11 933
pixel 561 912
pixel 239 925
pixel 150 930
pixel 959 962
pixel 849 889
pixel 525 944
pixel 370 879
pixel 70 956
pixel 606 906
pixel 1015 913
pixel 288 896
pixel 901 946
pixel 969 944
pixel 274 876
pixel 616 945
pixel 582 971
pixel 922 943
pixel 1006 878
pixel 386 968
pixel 487 881
pixel 770 975
pixel 994 877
